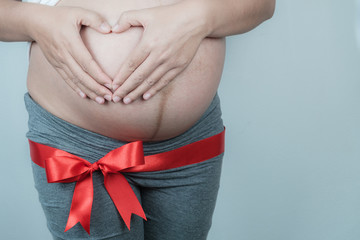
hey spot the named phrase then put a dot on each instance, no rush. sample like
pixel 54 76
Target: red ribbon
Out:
pixel 65 167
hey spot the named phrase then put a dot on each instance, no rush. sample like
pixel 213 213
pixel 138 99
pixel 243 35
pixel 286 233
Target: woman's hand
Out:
pixel 172 35
pixel 57 31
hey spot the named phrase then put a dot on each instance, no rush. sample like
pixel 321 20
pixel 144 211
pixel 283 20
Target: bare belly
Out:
pixel 169 113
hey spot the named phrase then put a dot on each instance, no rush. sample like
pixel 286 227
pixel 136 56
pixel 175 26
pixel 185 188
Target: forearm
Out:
pixel 15 18
pixel 230 17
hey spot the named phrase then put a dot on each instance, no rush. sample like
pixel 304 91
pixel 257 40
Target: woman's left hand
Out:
pixel 172 34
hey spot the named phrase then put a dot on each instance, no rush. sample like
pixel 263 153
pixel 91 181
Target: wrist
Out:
pixel 200 14
pixel 33 16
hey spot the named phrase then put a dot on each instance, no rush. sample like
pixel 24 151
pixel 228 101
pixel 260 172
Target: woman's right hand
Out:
pixel 57 31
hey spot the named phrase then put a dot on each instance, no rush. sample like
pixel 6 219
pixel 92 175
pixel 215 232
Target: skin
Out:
pixel 154 63
pixel 62 45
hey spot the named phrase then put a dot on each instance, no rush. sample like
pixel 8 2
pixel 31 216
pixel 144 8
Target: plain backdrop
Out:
pixel 291 103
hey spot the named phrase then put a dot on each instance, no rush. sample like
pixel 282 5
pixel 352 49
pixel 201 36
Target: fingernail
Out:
pixel 116 28
pixel 82 94
pixel 107 97
pixel 147 96
pixel 114 87
pixel 116 99
pixel 99 100
pixel 108 85
pixel 127 100
pixel 105 27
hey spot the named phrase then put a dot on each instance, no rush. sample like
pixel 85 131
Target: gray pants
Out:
pixel 178 203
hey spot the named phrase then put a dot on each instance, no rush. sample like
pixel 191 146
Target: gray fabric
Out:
pixel 178 203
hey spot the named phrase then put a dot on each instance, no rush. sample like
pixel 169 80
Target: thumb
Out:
pixel 129 19
pixel 95 21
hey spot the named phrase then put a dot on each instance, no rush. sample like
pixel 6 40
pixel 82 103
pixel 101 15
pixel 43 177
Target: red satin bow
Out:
pixel 65 167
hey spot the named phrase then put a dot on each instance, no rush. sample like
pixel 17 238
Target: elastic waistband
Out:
pixel 47 129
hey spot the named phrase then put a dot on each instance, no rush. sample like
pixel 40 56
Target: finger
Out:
pixel 131 63
pixel 136 78
pixel 87 62
pixel 95 21
pixel 67 79
pixel 97 92
pixel 163 82
pixel 148 83
pixel 134 18
pixel 84 90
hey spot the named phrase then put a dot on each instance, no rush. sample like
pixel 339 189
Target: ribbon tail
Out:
pixel 80 210
pixel 123 197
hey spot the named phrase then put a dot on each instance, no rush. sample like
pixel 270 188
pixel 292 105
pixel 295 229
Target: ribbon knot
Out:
pixel 94 167
pixel 65 167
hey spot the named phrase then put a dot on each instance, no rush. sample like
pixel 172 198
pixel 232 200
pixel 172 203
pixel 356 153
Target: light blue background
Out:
pixel 291 104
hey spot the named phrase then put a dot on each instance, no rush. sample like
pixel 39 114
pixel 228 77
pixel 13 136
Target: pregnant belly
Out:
pixel 169 113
